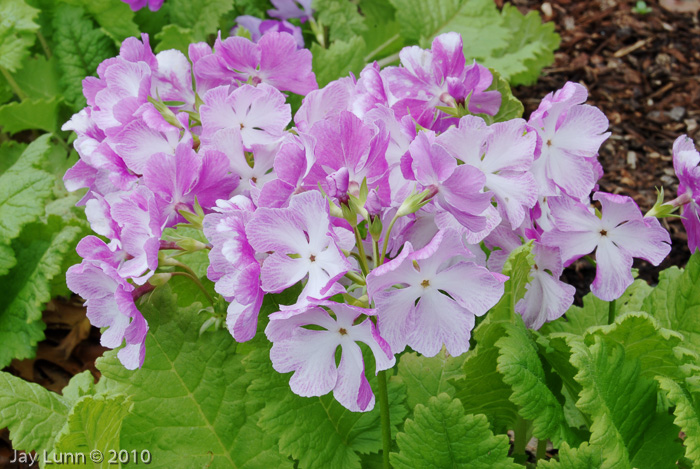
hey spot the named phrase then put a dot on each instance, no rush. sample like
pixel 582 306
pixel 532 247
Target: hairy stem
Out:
pixel 385 420
pixel 386 241
pixel 388 60
pixel 520 442
pixel 44 44
pixel 541 449
pixel 611 312
pixel 196 282
pixel 381 47
pixel 361 250
pixel 13 84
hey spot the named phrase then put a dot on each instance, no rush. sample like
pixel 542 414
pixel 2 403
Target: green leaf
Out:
pixel 658 350
pixel 338 60
pixel 174 37
pixel 517 46
pixel 7 259
pixel 441 435
pixel 318 431
pixel 341 16
pixel 530 47
pixel 622 405
pixel 522 370
pixel 30 114
pixel 94 423
pixel 427 377
pixel 687 413
pixel 483 390
pixel 201 16
pixel 40 252
pixel 382 37
pixel 595 311
pixel 10 151
pixel 675 302
pixel 17 32
pixel 24 190
pixel 190 397
pixel 33 414
pixel 583 457
pixel 38 78
pixel 80 48
pixel 114 16
pixel 511 107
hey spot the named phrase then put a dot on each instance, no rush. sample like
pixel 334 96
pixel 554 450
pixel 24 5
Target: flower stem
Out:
pixel 13 84
pixel 381 47
pixel 388 60
pixel 611 312
pixel 541 449
pixel 385 420
pixel 361 250
pixel 386 240
pixel 196 282
pixel 520 440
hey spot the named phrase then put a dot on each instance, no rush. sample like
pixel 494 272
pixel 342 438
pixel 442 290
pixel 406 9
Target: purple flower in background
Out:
pixel 287 9
pixel 311 353
pixel 430 297
pixel 258 27
pixel 153 5
pixel 685 162
pixel 620 234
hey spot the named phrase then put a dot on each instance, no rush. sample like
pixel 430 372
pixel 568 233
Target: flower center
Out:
pixel 312 258
pixel 342 331
pixel 425 283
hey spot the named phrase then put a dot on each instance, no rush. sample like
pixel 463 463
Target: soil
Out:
pixel 642 70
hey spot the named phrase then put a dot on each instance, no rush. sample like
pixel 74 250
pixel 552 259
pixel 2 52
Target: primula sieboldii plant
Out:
pixel 387 205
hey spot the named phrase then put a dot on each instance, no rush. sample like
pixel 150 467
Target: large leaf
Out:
pixel 114 16
pixel 33 414
pixel 17 32
pixel 440 435
pixel 190 399
pixel 382 37
pixel 687 413
pixel 342 18
pixel 94 423
pixel 427 377
pixel 675 302
pixel 318 431
pixel 338 60
pixel 80 47
pixel 30 114
pixel 201 16
pixel 38 78
pixel 622 404
pixel 39 252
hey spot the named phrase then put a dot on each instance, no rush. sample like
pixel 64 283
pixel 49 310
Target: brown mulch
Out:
pixel 643 72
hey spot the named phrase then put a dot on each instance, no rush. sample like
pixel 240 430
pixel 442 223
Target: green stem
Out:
pixel 196 282
pixel 13 84
pixel 375 253
pixel 541 449
pixel 385 420
pixel 356 278
pixel 44 44
pixel 388 60
pixel 386 240
pixel 611 312
pixel 520 442
pixel 361 250
pixel 381 47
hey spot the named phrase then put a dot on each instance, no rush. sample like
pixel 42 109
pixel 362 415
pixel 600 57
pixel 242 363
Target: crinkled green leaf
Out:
pixel 33 414
pixel 517 46
pixel 427 377
pixel 94 423
pixel 511 107
pixel 595 311
pixel 17 32
pixel 531 46
pixel 660 351
pixel 79 48
pixel 174 37
pixel 440 435
pixel 341 17
pixel 114 17
pixel 318 431
pixel 190 399
pixel 82 384
pixel 7 258
pixel 201 16
pixel 10 151
pixel 338 60
pixel 39 251
pixel 522 370
pixel 483 390
pixel 622 405
pixel 24 190
pixel 687 415
pixel 583 457
pixel 30 114
pixel 675 301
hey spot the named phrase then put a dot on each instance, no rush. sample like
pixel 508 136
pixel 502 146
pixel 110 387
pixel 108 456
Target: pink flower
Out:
pixel 685 162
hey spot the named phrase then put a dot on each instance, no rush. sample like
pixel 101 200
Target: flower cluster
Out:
pixel 393 201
